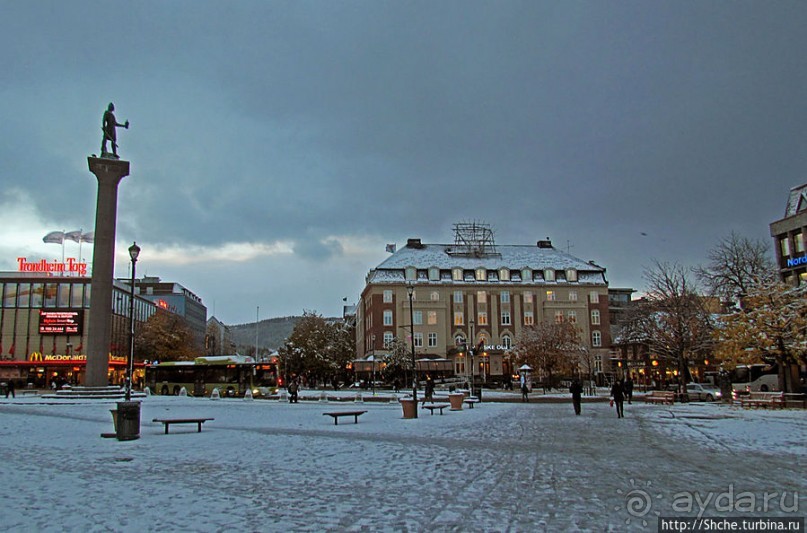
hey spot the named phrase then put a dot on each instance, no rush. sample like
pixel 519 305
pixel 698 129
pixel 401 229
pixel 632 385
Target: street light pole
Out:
pixel 411 290
pixel 471 350
pixel 134 252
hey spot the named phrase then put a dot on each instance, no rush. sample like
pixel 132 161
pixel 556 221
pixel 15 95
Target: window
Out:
pixel 482 318
pixel 434 296
pixel 50 294
pixel 24 296
pixel 596 338
pixel 504 274
pixel 387 296
pixel 459 318
pixel 417 317
pixel 526 274
pixel 571 274
pixel 481 274
pixel 457 297
pixel 507 342
pixel 798 240
pixel 571 316
pixel 431 318
pixel 411 273
pixel 434 274
pixel 432 340
pixel 595 317
pixel 10 295
pixel 481 297
pixel 529 319
pixel 505 297
pixel 784 246
pixel 572 296
pixel 594 297
pixel 527 297
pixel 387 318
pixel 456 274
pixel 550 296
pixel 505 318
pixel 598 364
pixel 558 317
pixel 418 340
pixel 387 339
pixel 549 274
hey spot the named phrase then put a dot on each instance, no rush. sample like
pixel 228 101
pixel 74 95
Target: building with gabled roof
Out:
pixel 789 238
pixel 475 292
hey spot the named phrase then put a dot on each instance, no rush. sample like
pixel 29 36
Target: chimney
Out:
pixel 545 243
pixel 414 243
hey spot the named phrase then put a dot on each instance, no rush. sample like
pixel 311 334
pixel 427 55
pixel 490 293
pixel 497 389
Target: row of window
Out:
pixel 482 317
pixel 482 274
pixel 797 245
pixel 47 295
pixel 504 296
pixel 459 340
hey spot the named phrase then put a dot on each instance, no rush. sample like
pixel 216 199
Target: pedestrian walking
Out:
pixel 576 388
pixel 429 395
pixel 10 389
pixel 618 397
pixel 293 389
pixel 629 389
pixel 524 389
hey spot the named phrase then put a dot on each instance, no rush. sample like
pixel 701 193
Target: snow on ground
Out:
pixel 273 466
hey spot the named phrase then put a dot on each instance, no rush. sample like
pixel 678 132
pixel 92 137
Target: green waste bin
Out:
pixel 128 426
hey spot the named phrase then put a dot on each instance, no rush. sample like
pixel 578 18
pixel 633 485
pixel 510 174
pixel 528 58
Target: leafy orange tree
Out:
pixel 772 326
pixel 551 349
pixel 165 336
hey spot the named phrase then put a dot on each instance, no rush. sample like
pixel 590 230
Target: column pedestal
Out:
pixel 109 173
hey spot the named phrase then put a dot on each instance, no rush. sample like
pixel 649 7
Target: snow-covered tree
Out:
pixel 317 348
pixel 399 360
pixel 771 327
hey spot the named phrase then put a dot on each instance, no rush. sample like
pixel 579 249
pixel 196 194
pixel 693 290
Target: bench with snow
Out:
pixel 471 400
pixel 337 414
pixel 438 406
pixel 168 421
pixel 763 399
pixel 660 396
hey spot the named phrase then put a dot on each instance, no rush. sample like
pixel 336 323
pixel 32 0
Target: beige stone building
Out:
pixel 473 292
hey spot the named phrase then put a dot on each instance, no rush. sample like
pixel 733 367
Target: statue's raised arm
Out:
pixel 108 126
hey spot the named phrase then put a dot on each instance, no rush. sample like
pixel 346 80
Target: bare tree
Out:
pixel 675 319
pixel 736 264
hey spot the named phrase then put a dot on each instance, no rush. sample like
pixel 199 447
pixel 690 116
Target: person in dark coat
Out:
pixel 629 389
pixel 618 396
pixel 293 388
pixel 10 389
pixel 576 389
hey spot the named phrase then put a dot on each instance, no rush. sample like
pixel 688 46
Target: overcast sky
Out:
pixel 276 147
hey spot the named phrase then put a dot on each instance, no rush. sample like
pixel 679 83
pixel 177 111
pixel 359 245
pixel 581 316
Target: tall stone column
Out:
pixel 109 173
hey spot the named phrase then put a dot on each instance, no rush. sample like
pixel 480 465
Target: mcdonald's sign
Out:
pixel 35 357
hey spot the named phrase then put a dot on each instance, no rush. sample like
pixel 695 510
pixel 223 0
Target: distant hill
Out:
pixel 272 333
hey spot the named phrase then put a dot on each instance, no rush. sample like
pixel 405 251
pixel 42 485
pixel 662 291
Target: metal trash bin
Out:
pixel 128 426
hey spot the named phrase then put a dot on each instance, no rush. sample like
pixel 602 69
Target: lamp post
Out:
pixel 373 340
pixel 471 349
pixel 410 289
pixel 134 251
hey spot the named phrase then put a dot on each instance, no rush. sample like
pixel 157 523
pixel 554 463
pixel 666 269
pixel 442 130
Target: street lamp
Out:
pixel 410 289
pixel 471 350
pixel 134 251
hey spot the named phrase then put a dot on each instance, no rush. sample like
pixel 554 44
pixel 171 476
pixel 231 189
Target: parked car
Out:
pixel 700 392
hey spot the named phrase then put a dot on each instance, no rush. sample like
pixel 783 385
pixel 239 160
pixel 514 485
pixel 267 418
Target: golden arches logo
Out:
pixel 35 357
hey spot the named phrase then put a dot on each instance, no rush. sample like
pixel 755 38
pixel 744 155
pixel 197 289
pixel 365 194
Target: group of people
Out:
pixel 620 391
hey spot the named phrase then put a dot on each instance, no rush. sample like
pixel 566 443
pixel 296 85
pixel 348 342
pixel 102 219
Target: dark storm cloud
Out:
pixel 623 130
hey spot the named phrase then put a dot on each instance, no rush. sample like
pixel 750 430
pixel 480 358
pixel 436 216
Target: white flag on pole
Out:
pixel 55 237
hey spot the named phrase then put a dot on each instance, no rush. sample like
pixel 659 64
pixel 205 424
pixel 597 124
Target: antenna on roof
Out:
pixel 473 239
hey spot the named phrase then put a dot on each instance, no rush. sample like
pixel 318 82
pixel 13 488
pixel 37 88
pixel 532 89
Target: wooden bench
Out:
pixel 336 415
pixel 763 399
pixel 168 421
pixel 439 406
pixel 660 396
pixel 471 400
